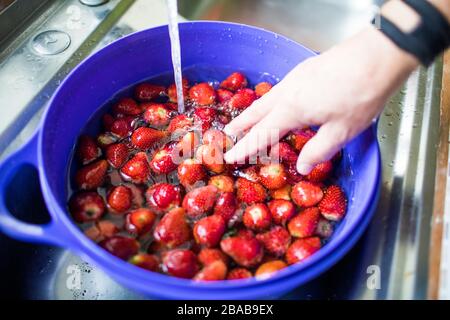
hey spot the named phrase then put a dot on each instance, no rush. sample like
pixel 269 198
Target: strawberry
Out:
pixel 275 241
pixel 173 229
pixel 320 172
pixel 272 176
pixel 302 248
pixel 238 274
pixel 119 199
pixel 162 161
pixel 126 106
pixel 333 204
pixel 324 228
pixel 211 157
pixel 298 138
pixel 209 255
pixel 180 122
pixel 262 88
pixel 122 247
pixel 283 152
pixel 257 217
pixel 283 193
pixel 140 221
pixel 251 173
pixel 87 149
pixel 242 99
pixel 172 90
pixel 266 270
pixel 181 263
pixel 202 94
pixel 245 251
pixel 144 138
pixel 222 182
pixel 187 144
pixel 226 206
pixel 281 210
pixel 147 92
pixel 107 121
pixel 121 127
pixel 223 95
pixel 86 206
pixel 91 176
pixel 204 117
pixel 137 168
pixel 116 154
pixel 145 261
pixel 293 176
pixel 306 194
pixel 234 82
pixel 215 271
pixel 305 223
pixel 101 230
pixel 209 230
pixel 218 138
pixel 163 196
pixel 105 139
pixel 250 192
pixel 190 171
pixel 199 201
pixel 156 114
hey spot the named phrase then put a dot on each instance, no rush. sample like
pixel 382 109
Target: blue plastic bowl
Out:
pixel 143 55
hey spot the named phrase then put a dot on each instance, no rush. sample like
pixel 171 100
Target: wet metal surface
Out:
pixel 394 249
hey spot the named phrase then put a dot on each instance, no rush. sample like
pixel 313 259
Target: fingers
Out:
pixel 330 138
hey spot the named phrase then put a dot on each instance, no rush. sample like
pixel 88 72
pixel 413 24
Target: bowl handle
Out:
pixel 11 226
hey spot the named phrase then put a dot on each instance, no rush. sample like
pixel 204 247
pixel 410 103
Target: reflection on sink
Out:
pixel 318 24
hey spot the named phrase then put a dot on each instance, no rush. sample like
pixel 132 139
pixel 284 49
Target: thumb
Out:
pixel 323 146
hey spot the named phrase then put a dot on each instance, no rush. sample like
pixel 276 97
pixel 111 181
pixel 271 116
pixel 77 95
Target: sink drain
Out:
pixel 51 42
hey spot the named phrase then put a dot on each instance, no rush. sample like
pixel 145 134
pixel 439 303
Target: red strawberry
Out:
pixel 162 161
pixel 238 274
pixel 101 230
pixel 173 229
pixel 262 88
pixel 281 210
pixel 306 194
pixel 218 138
pixel 333 204
pixel 156 114
pixel 320 172
pixel 86 206
pixel 251 173
pixel 302 248
pixel 257 217
pixel 190 171
pixel 119 199
pixel 272 176
pixel 211 157
pixel 245 251
pixel 140 221
pixel 202 94
pixel 209 255
pixel 204 116
pixel 305 223
pixel 121 127
pixel 223 118
pixel 180 122
pixel 137 168
pixel 209 230
pixel 324 228
pixel 122 247
pixel 266 270
pixel 144 138
pixel 163 196
pixel 283 193
pixel 107 121
pixel 199 201
pixel 250 192
pixel 87 149
pixel 298 138
pixel 181 263
pixel 242 99
pixel 106 139
pixel 147 92
pixel 226 206
pixel 235 81
pixel 222 182
pixel 187 145
pixel 145 261
pixel 127 106
pixel 293 176
pixel 117 154
pixel 223 95
pixel 275 241
pixel 215 271
pixel 283 152
pixel 92 175
pixel 172 90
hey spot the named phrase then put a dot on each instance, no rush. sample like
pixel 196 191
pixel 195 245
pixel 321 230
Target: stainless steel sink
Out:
pixel 394 250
